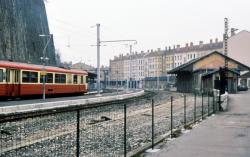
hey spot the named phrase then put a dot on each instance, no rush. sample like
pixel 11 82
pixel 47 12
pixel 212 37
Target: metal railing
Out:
pixel 112 129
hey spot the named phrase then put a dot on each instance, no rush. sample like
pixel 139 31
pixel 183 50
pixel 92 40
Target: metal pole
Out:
pixel 171 123
pixel 78 134
pixel 130 53
pixel 98 57
pixel 213 104
pixel 44 62
pixel 219 103
pixel 152 124
pixel 208 104
pixel 226 53
pixel 117 82
pixel 44 88
pixel 185 120
pixel 158 82
pixel 194 107
pixel 202 106
pixel 125 130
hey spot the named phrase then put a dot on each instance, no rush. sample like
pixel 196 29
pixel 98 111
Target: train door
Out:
pixel 13 77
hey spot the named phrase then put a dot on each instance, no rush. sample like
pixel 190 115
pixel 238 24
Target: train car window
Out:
pixel 48 78
pixel 33 77
pixel 7 75
pixel 60 78
pixel 30 77
pixel 82 80
pixel 17 76
pixel 63 78
pixel 1 75
pixel 75 79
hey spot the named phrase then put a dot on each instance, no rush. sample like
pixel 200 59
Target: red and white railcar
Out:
pixel 21 79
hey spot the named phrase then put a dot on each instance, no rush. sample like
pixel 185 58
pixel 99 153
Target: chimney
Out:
pixel 169 48
pixel 148 51
pixel 216 40
pixel 201 43
pixel 174 47
pixel 211 41
pixel 233 31
pixel 152 50
pixel 166 48
pixel 186 44
pixel 191 44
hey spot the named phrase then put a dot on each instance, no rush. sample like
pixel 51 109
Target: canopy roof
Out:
pixel 189 66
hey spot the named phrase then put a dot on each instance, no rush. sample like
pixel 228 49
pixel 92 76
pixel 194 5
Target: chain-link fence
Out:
pixel 104 130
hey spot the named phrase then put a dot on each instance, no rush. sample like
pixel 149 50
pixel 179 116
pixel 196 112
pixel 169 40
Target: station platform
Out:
pixel 224 135
pixel 12 106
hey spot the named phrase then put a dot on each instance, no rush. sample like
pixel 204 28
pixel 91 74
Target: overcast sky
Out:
pixel 154 23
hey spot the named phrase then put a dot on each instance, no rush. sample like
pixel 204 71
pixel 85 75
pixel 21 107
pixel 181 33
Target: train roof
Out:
pixel 26 66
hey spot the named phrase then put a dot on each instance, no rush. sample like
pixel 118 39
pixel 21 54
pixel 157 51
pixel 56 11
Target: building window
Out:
pixel 194 55
pixel 60 78
pixel 30 77
pixel 48 78
pixel 1 75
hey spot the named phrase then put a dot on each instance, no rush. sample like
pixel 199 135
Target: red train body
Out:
pixel 21 79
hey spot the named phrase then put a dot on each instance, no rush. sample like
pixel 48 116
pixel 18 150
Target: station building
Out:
pixel 206 73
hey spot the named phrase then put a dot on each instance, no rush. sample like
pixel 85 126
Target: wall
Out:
pixel 21 22
pixel 239 47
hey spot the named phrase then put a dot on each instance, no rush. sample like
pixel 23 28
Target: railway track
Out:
pixel 138 117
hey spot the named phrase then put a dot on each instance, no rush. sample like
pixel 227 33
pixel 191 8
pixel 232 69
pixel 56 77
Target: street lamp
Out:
pixel 44 59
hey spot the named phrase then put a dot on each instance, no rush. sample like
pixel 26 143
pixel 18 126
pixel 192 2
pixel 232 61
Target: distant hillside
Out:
pixel 21 22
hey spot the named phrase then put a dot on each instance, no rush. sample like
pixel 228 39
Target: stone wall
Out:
pixel 21 22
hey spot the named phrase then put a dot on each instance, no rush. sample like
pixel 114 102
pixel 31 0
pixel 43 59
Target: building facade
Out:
pixel 239 46
pixel 207 73
pixel 155 64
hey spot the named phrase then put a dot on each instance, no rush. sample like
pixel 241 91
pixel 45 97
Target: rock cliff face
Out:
pixel 21 22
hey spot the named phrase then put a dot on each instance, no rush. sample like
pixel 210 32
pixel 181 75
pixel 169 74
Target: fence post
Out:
pixel 194 107
pixel 171 123
pixel 78 133
pixel 185 120
pixel 219 103
pixel 125 130
pixel 213 103
pixel 202 106
pixel 152 124
pixel 208 104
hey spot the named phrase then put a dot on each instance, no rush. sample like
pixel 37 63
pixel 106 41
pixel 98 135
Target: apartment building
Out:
pixel 156 63
pixel 117 70
pixel 239 46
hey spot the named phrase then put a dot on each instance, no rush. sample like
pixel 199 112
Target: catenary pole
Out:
pixel 98 58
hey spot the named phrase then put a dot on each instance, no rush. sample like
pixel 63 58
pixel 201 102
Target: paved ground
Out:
pixel 225 135
pixel 53 99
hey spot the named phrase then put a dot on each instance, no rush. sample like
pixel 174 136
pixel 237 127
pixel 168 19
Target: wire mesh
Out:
pixel 101 128
pixel 101 131
pixel 51 135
